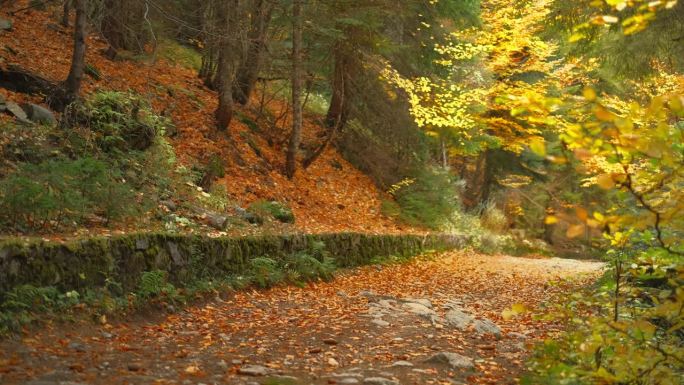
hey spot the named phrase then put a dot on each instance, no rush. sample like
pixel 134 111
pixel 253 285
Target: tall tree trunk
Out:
pixel 65 12
pixel 225 74
pixel 72 85
pixel 208 35
pixel 123 24
pixel 248 72
pixel 295 137
pixel 339 103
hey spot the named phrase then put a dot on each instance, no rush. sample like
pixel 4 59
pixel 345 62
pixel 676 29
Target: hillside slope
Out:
pixel 330 196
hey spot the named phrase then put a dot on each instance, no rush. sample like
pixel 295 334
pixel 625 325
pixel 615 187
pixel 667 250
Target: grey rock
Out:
pixel 348 374
pixel 485 326
pixel 386 303
pixel 223 365
pixel 142 243
pixel 349 381
pixel 419 309
pixel 5 24
pixel 453 360
pixel 423 301
pixel 254 370
pixel 78 347
pixel 175 253
pixel 510 347
pixel 169 204
pixel 17 111
pixel 402 364
pixel 379 381
pixel 519 336
pixel 380 322
pixel 458 319
pixel 38 114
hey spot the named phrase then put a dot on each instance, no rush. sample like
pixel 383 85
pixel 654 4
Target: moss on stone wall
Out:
pixel 89 263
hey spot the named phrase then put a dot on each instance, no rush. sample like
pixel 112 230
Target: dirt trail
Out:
pixel 376 325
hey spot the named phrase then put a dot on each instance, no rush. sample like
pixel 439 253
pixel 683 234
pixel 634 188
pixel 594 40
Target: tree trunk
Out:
pixel 72 85
pixel 65 12
pixel 295 137
pixel 208 35
pixel 248 72
pixel 123 24
pixel 225 74
pixel 339 103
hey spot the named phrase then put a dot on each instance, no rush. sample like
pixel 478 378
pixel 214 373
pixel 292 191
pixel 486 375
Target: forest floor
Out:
pixel 330 196
pixel 434 320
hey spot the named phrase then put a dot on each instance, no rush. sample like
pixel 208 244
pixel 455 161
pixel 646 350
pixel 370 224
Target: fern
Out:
pixel 155 284
pixel 265 272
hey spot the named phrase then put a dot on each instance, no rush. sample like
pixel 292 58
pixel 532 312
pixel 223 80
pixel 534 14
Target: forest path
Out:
pixel 435 320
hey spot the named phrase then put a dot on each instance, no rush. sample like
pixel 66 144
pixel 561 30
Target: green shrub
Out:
pixel 430 199
pixel 265 272
pixel 493 218
pixel 21 303
pixel 303 267
pixel 213 169
pixel 62 192
pixel 265 210
pixel 121 122
pixel 155 284
pixel 306 266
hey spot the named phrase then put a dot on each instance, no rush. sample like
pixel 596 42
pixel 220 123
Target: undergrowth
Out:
pixel 28 305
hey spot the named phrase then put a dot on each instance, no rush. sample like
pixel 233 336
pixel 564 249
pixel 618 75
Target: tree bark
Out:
pixel 66 8
pixel 248 72
pixel 295 137
pixel 338 111
pixel 123 24
pixel 225 73
pixel 72 85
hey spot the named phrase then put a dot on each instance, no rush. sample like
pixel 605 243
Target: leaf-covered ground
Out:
pixel 330 196
pixel 373 325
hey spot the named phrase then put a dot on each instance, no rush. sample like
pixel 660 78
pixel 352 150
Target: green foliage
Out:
pixel 21 303
pixel 120 122
pixel 634 338
pixel 493 218
pixel 311 265
pixel 62 192
pixel 177 53
pixel 305 266
pixel 431 200
pixel 265 272
pixel 155 284
pixel 265 210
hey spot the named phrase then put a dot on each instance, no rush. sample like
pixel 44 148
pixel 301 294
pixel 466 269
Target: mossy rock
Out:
pixel 92 263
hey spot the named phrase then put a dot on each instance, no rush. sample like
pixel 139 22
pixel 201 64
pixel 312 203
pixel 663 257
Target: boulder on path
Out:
pixel 254 370
pixel 423 301
pixel 453 360
pixel 485 326
pixel 458 319
pixel 419 309
pixel 402 364
pixel 379 381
